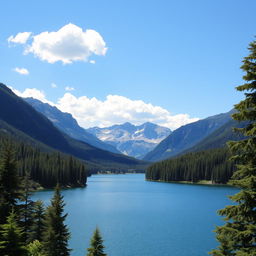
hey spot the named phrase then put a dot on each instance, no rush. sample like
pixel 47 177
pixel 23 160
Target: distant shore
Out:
pixel 200 182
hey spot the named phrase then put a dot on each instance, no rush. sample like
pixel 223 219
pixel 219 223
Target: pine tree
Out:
pixel 97 247
pixel 26 207
pixel 38 217
pixel 56 234
pixel 35 248
pixel 10 189
pixel 238 236
pixel 11 243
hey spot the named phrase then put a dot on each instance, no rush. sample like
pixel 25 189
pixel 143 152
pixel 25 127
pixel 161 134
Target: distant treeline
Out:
pixel 212 165
pixel 47 168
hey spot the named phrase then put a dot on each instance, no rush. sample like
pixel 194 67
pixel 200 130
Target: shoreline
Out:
pixel 201 182
pixel 40 188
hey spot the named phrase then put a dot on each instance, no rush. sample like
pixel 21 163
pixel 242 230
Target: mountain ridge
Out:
pixel 133 140
pixel 187 136
pixel 68 124
pixel 23 117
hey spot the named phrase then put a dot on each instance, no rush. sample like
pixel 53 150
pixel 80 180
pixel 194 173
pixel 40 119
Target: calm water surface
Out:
pixel 140 218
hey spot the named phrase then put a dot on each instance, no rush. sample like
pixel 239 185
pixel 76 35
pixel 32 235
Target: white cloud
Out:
pixel 32 93
pixel 53 85
pixel 114 109
pixel 68 88
pixel 70 43
pixel 92 61
pixel 20 38
pixel 118 109
pixel 22 71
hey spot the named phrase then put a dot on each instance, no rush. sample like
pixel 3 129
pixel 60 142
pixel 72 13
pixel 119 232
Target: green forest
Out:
pixel 47 168
pixel 211 165
pixel 27 227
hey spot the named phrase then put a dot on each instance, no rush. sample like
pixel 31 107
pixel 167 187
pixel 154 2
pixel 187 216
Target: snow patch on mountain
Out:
pixel 130 139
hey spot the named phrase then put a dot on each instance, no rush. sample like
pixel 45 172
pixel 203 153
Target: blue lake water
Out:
pixel 141 218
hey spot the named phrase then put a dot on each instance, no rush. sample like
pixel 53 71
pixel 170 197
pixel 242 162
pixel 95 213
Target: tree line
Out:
pixel 47 168
pixel 212 165
pixel 27 228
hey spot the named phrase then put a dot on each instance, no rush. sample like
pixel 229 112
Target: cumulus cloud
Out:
pixel 92 61
pixel 69 89
pixel 114 109
pixel 118 109
pixel 20 38
pixel 22 71
pixel 53 85
pixel 70 43
pixel 32 93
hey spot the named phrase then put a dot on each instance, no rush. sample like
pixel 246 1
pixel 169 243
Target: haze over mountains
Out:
pixel 130 139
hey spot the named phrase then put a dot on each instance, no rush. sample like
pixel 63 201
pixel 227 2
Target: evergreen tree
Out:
pixel 97 247
pixel 10 189
pixel 38 217
pixel 56 234
pixel 238 236
pixel 11 243
pixel 35 248
pixel 26 207
pixel 211 165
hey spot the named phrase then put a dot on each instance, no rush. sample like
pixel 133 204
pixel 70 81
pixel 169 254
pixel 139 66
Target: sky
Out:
pixel 109 61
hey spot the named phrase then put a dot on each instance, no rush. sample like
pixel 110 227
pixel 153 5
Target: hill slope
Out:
pixel 66 123
pixel 218 138
pixel 207 160
pixel 187 136
pixel 23 117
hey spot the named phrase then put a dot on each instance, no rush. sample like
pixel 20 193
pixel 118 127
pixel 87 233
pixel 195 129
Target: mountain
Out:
pixel 66 123
pixel 187 136
pixel 218 138
pixel 18 115
pixel 207 160
pixel 130 139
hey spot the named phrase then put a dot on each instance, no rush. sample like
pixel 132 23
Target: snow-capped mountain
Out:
pixel 130 139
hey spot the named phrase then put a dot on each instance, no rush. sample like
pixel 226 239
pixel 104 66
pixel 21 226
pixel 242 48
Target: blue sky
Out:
pixel 175 60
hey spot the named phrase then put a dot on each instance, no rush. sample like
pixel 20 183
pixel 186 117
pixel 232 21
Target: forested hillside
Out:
pixel 211 165
pixel 207 160
pixel 46 168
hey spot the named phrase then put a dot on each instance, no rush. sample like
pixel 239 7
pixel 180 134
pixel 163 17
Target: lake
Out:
pixel 142 218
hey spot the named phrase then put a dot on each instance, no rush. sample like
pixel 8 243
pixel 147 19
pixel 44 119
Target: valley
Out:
pixel 128 128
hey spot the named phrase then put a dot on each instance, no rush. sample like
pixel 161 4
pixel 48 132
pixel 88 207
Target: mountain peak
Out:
pixel 131 139
pixel 127 124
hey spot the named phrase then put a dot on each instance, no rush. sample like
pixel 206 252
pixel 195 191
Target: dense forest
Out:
pixel 47 168
pixel 212 165
pixel 27 228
